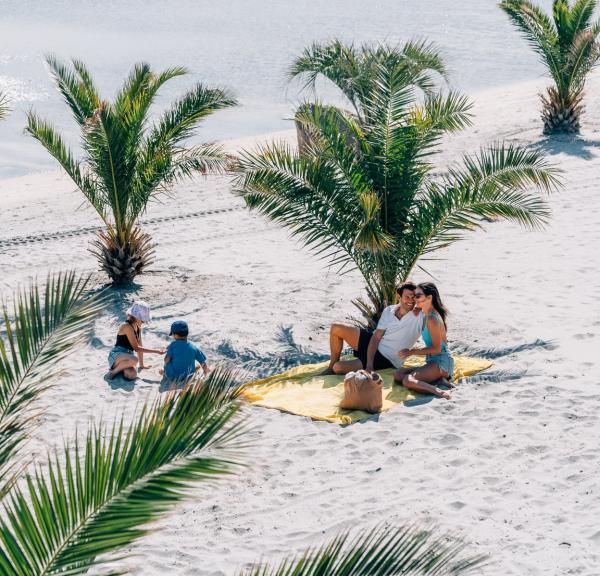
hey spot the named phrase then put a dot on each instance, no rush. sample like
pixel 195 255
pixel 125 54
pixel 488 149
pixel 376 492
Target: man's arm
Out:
pixel 373 345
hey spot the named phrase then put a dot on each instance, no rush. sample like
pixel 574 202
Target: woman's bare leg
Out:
pixel 338 334
pixel 122 363
pixel 420 380
pixel 130 373
pixel 401 373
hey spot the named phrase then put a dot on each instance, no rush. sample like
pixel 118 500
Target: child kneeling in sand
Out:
pixel 181 355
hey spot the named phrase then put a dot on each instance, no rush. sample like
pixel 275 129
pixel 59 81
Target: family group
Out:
pixel 419 313
pixel 180 356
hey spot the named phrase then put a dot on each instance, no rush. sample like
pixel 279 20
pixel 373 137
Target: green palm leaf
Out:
pixel 99 498
pixel 41 328
pixel 385 551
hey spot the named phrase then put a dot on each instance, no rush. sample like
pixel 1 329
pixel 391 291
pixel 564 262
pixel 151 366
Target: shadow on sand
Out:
pixel 288 355
pixel 577 146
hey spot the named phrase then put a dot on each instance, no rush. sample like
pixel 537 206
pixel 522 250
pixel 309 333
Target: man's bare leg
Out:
pixel 338 334
pixel 345 366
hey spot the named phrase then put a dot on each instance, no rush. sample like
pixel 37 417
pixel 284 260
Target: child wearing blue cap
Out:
pixel 181 355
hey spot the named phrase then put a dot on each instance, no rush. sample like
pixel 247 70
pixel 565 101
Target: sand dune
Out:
pixel 510 464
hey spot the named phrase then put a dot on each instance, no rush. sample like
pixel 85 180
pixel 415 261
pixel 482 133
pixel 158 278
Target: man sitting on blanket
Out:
pixel 398 329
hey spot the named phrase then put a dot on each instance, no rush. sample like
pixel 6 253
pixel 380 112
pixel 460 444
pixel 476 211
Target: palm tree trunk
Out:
pixel 561 113
pixel 123 256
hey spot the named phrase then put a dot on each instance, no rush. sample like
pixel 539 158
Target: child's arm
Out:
pixel 205 368
pixel 167 359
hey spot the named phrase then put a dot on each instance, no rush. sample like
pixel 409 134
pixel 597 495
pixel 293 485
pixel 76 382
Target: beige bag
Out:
pixel 363 391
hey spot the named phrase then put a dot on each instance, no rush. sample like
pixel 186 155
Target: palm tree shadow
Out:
pixel 288 354
pixel 492 353
pixel 583 148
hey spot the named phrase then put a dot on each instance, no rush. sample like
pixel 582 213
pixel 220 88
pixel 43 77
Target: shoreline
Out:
pixel 529 88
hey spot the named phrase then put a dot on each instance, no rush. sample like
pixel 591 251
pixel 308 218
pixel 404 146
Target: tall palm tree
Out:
pixel 568 46
pixel 41 327
pixel 363 193
pixel 127 160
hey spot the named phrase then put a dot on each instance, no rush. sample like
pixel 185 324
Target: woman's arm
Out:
pixel 136 345
pixel 435 331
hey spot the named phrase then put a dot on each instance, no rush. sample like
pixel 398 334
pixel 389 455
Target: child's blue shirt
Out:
pixel 183 355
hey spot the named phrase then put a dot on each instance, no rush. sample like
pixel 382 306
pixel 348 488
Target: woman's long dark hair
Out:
pixel 430 289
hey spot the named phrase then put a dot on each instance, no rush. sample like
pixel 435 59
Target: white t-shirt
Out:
pixel 399 334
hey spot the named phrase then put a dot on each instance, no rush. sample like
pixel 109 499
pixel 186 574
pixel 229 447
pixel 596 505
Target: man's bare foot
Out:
pixel 443 393
pixel 327 372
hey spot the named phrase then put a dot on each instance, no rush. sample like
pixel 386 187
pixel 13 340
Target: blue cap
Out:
pixel 179 327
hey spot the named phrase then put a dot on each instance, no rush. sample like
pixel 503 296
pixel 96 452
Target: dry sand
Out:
pixel 510 464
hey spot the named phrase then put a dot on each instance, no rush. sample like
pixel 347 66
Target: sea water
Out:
pixel 244 45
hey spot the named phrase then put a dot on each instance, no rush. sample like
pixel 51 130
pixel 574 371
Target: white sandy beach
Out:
pixel 510 464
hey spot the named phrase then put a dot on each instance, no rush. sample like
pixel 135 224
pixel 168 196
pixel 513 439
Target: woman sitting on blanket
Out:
pixel 438 362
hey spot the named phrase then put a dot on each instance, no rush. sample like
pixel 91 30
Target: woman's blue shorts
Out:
pixel 118 351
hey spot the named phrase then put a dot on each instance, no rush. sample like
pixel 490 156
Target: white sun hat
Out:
pixel 140 310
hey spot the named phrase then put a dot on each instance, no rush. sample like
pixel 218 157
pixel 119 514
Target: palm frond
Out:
pixel 335 61
pixel 384 551
pixel 177 123
pixel 539 31
pixel 4 105
pixel 582 57
pixel 98 499
pixel 501 182
pixel 423 55
pixel 582 12
pixel 77 90
pixel 47 135
pixel 304 193
pixel 45 325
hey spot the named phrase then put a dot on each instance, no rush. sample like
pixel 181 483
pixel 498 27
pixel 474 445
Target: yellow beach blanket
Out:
pixel 304 392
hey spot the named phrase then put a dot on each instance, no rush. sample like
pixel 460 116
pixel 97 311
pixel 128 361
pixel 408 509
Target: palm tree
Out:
pixel 96 499
pixel 385 551
pixel 363 193
pixel 126 159
pixel 46 324
pixel 353 70
pixel 568 46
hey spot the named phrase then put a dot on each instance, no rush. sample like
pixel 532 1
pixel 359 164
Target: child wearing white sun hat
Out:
pixel 128 349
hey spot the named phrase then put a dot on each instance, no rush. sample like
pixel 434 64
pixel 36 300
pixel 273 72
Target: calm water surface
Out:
pixel 245 45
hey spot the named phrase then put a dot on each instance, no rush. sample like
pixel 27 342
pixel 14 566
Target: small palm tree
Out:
pixel 41 327
pixel 128 160
pixel 568 46
pixel 363 194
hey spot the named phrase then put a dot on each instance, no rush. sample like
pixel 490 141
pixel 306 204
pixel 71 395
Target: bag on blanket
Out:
pixel 362 391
